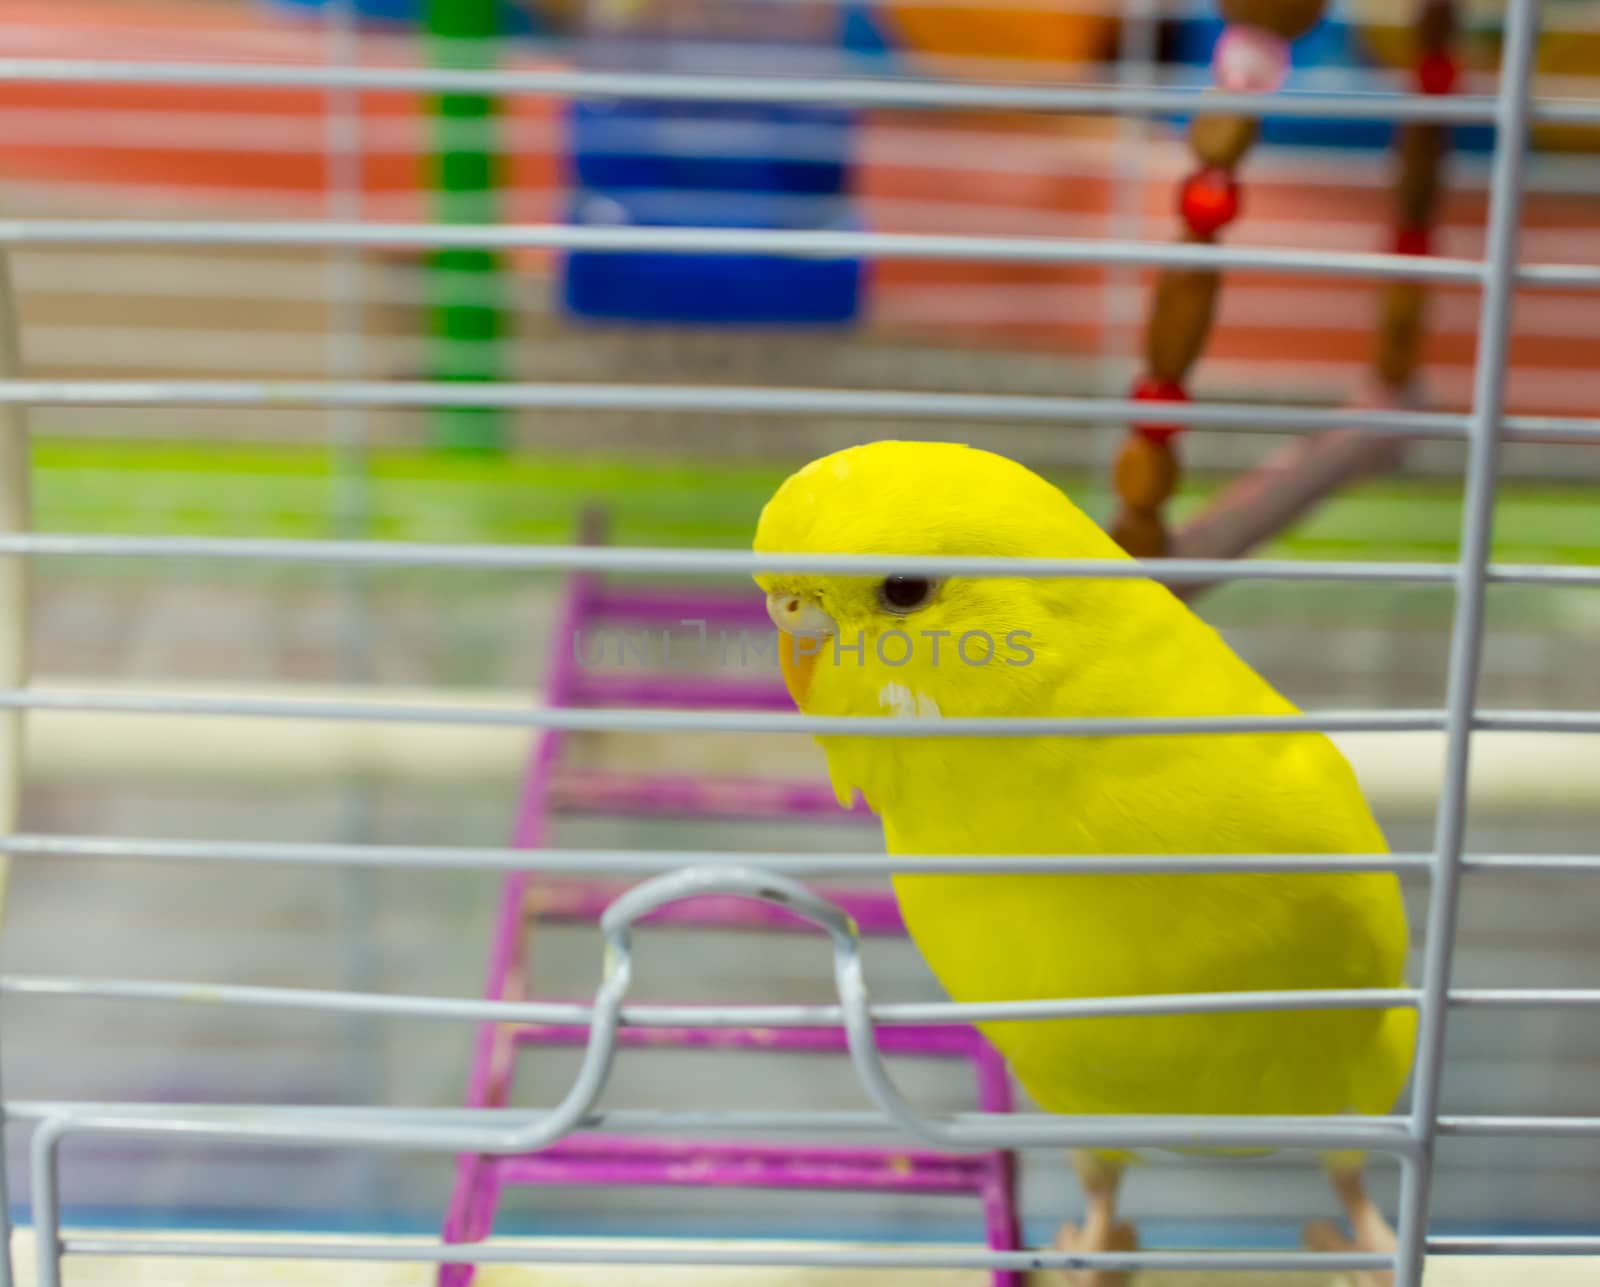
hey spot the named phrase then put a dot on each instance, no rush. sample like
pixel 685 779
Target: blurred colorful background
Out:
pixel 679 478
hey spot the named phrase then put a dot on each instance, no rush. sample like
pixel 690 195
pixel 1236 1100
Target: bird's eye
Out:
pixel 905 593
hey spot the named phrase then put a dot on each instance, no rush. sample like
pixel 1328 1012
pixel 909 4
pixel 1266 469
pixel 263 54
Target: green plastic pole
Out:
pixel 466 286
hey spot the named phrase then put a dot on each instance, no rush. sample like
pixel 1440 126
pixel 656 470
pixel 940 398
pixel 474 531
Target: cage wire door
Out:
pixel 606 1024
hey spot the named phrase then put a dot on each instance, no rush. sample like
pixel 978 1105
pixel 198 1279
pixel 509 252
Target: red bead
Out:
pixel 1209 200
pixel 1411 241
pixel 1148 389
pixel 1436 73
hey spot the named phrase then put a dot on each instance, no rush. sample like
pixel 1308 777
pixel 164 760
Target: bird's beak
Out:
pixel 804 630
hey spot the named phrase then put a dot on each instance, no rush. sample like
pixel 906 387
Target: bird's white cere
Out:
pixel 899 700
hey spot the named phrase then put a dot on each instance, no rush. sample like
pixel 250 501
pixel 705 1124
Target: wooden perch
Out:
pixel 594 524
pixel 1276 494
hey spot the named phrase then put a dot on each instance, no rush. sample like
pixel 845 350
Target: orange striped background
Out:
pixel 134 147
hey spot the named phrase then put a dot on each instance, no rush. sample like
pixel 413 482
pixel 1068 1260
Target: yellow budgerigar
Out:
pixel 926 648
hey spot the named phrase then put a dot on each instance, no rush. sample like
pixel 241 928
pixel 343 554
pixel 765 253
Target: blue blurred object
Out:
pixel 707 290
pixel 715 165
pixel 1330 44
pixel 712 147
pixel 863 33
pixel 711 166
pixel 519 19
pixel 674 164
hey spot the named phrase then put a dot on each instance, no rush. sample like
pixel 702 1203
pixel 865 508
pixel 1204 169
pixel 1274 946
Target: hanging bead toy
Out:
pixel 1252 57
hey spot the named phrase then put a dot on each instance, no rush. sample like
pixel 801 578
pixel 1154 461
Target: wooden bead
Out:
pixel 1180 321
pixel 1436 24
pixel 1222 141
pixel 1400 333
pixel 1417 191
pixel 1140 532
pixel 1290 19
pixel 1146 473
pixel 1436 72
pixel 1149 389
pixel 1413 241
pixel 1209 201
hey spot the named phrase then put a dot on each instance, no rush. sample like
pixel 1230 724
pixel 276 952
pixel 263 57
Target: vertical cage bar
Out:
pixel 15 516
pixel 346 353
pixel 346 361
pixel 1120 295
pixel 45 1166
pixel 1466 649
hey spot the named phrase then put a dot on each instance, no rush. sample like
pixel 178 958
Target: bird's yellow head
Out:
pixel 909 645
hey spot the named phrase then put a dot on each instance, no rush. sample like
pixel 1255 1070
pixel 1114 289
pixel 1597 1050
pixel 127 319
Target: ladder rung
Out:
pixel 586 1159
pixel 674 607
pixel 690 692
pixel 655 794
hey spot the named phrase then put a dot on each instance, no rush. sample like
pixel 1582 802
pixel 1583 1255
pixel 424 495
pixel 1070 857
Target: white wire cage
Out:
pixel 1410 1137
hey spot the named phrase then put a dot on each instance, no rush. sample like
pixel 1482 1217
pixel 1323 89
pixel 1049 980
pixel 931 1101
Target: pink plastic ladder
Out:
pixel 601 1160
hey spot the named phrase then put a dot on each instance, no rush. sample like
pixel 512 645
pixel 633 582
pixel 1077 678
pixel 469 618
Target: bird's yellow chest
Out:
pixel 1035 938
pixel 1026 937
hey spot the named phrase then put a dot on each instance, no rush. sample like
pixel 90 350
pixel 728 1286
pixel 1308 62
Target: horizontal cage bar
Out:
pixel 1446 1245
pixel 733 400
pixel 800 244
pixel 754 1256
pixel 725 400
pixel 465 1131
pixel 898 92
pixel 1516 1245
pixel 638 862
pixel 653 720
pixel 220 1120
pixel 417 554
pixel 314 1001
pixel 737 241
pixel 581 719
pixel 644 862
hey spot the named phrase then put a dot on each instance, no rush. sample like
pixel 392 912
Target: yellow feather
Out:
pixel 1124 647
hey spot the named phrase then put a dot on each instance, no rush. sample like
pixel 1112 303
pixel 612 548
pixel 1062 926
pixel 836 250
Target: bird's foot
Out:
pixel 1097 1236
pixel 1327 1236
